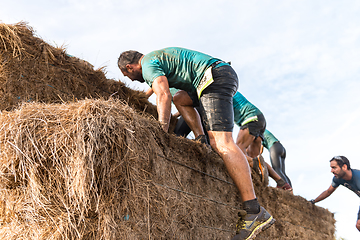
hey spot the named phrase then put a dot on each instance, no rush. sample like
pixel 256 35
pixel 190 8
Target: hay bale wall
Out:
pixel 96 169
pixel 82 157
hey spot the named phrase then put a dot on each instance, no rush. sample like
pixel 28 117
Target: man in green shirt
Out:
pixel 215 83
pixel 252 125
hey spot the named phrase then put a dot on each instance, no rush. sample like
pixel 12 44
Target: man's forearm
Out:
pixel 164 110
pixel 322 196
pixel 149 92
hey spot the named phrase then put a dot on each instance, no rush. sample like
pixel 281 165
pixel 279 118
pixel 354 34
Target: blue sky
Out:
pixel 298 61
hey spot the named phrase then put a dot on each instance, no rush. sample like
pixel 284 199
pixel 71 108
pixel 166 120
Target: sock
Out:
pixel 202 139
pixel 251 206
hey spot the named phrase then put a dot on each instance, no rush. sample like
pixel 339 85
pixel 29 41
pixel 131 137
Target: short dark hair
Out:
pixel 341 160
pixel 128 57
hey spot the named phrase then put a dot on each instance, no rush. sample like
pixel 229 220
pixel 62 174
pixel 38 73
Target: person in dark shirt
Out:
pixel 343 175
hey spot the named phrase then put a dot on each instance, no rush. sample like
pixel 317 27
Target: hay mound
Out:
pixel 95 169
pixel 82 157
pixel 33 70
pixel 86 170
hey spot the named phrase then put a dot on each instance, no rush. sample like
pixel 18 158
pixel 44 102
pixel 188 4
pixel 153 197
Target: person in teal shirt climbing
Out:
pixel 277 154
pixel 215 83
pixel 252 125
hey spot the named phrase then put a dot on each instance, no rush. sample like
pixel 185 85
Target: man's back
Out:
pixel 243 109
pixel 183 68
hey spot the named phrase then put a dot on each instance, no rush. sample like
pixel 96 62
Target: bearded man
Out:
pixel 343 175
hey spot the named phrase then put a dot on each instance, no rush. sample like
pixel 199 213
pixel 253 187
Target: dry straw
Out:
pixel 33 70
pixel 65 168
pixel 91 170
pixel 82 157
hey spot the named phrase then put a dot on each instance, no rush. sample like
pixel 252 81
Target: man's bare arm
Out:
pixel 160 87
pixel 149 92
pixel 325 194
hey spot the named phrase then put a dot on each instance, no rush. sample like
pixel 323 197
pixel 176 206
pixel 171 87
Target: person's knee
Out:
pixel 181 98
pixel 213 143
pixel 253 150
pixel 220 143
pixel 244 139
pixel 176 98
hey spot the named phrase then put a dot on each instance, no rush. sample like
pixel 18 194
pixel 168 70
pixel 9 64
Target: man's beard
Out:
pixel 139 78
pixel 340 175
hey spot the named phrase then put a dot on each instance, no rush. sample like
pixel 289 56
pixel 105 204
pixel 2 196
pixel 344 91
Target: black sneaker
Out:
pixel 249 225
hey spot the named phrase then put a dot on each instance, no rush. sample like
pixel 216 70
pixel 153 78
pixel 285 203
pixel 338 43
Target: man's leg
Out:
pixel 254 149
pixel 235 162
pixel 184 105
pixel 216 107
pixel 255 218
pixel 277 158
pixel 244 139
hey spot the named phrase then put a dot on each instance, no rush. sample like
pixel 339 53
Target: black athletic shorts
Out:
pixel 359 214
pixel 257 127
pixel 216 101
pixel 194 99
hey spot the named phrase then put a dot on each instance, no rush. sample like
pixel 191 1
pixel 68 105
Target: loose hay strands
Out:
pixel 33 70
pixel 10 40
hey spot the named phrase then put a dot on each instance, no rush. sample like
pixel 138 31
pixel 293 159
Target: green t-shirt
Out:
pixel 173 91
pixel 269 139
pixel 243 109
pixel 183 68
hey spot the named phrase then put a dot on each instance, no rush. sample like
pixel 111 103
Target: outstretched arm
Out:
pixel 324 194
pixel 160 87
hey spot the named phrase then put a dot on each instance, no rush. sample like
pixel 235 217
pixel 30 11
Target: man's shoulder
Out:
pixel 336 180
pixel 356 173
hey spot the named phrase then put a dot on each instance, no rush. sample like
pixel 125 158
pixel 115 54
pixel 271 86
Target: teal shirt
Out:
pixel 183 68
pixel 243 109
pixel 269 139
pixel 173 91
